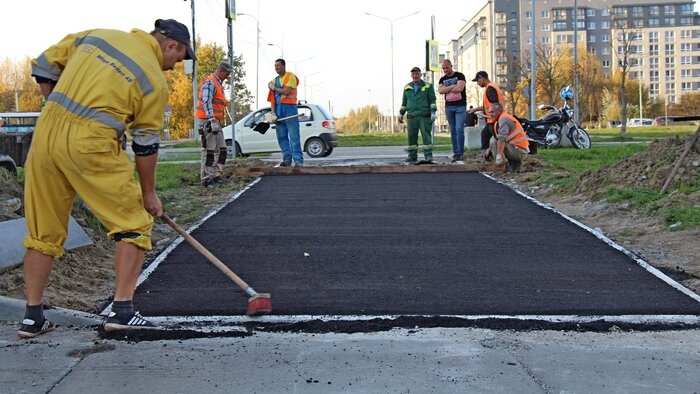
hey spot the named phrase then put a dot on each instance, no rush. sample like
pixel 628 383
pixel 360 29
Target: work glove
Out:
pixel 215 126
pixel 401 119
pixel 433 116
pixel 270 117
pixel 500 160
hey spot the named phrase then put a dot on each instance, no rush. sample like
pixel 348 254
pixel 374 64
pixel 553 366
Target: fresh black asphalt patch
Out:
pixel 433 244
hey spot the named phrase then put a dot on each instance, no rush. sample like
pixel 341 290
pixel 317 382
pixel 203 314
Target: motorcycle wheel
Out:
pixel 580 138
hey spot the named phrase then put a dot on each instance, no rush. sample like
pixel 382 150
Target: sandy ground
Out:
pixel 83 279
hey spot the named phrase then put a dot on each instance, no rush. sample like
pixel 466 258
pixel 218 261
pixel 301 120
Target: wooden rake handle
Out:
pixel 213 259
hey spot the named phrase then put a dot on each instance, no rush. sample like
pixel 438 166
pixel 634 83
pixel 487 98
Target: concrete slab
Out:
pixel 14 231
pixel 404 360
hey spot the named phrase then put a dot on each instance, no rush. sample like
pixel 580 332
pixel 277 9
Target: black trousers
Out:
pixel 486 134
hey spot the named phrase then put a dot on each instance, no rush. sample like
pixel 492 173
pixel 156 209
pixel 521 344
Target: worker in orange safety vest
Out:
pixel 211 106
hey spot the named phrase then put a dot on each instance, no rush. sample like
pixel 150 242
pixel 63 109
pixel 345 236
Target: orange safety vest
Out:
pixel 487 102
pixel 290 98
pixel 218 102
pixel 516 136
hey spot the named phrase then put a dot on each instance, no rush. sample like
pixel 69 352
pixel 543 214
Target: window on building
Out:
pixel 591 38
pixel 528 15
pixel 670 49
pixel 605 38
pixel 529 41
pixel 669 36
pixel 605 24
pixel 545 14
pixel 545 40
pixel 670 62
pixel 654 76
pixel 653 62
pixel 669 21
pixel 620 12
pixel 590 12
pixel 653 22
pixel 670 9
pixel 559 26
pixel 592 50
pixel 605 50
pixel 637 12
pixel 685 9
pixel 638 23
pixel 686 47
pixel 686 73
pixel 654 36
pixel 636 36
pixel 670 88
pixel 654 89
pixel 561 39
pixel 670 75
pixel 686 33
pixel 686 22
pixel 580 25
pixel 686 86
pixel 654 10
pixel 605 12
pixel 606 63
pixel 545 27
pixel 686 60
pixel 654 50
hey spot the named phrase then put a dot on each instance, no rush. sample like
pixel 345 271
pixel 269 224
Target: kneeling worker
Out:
pixel 509 144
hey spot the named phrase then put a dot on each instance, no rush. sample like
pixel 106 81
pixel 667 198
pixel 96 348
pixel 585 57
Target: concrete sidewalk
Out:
pixel 436 360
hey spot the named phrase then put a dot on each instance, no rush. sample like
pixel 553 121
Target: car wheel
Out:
pixel 315 147
pixel 229 150
pixel 327 152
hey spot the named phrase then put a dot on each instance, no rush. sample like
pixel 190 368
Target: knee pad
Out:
pixel 209 160
pixel 223 152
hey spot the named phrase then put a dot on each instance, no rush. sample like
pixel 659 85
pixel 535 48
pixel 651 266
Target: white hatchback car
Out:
pixel 316 129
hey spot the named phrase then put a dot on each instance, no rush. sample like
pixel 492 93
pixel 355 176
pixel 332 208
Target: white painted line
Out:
pixel 164 254
pixel 630 319
pixel 610 242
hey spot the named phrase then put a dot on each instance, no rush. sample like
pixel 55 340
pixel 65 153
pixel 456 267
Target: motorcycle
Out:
pixel 548 130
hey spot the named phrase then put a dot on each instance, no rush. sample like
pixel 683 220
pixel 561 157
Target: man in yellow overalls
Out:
pixel 98 84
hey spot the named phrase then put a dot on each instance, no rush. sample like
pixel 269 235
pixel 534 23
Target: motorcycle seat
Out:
pixel 533 123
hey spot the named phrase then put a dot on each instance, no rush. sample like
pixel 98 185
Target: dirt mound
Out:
pixel 648 169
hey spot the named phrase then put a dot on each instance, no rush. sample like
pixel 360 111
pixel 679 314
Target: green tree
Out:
pixel 18 90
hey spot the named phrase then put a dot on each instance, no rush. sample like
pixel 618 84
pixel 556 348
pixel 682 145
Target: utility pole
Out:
pixel 576 119
pixel 195 94
pixel 533 65
pixel 231 16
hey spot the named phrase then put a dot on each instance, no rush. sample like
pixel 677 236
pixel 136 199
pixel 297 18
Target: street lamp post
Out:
pixel 281 49
pixel 257 58
pixel 391 22
pixel 306 78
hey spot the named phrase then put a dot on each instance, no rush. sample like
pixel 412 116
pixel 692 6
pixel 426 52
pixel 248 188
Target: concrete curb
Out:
pixel 12 309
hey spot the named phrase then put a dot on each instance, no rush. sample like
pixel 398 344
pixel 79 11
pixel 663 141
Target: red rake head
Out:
pixel 259 304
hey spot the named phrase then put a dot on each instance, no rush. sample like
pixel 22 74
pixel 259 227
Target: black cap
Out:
pixel 480 74
pixel 178 32
pixel 415 69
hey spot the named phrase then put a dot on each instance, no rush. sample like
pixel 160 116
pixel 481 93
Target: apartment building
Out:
pixel 662 41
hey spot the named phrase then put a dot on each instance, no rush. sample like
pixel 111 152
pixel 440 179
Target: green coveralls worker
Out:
pixel 419 106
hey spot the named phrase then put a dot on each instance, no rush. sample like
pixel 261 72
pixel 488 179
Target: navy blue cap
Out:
pixel 178 32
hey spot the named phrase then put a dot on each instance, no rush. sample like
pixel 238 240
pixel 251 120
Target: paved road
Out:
pixel 222 356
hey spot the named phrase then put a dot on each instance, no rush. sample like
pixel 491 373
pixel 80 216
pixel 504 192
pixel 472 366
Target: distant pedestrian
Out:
pixel 419 107
pixel 472 119
pixel 211 107
pixel 452 85
pixel 99 84
pixel 283 99
pixel 492 94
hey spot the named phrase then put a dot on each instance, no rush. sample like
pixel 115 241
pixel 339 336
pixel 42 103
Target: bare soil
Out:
pixel 83 279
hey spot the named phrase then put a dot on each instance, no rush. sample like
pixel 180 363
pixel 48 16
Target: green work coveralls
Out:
pixel 419 105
